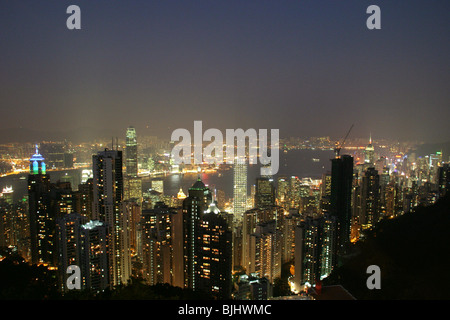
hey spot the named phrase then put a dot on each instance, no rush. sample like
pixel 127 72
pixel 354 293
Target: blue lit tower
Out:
pixel 41 220
pixel 37 164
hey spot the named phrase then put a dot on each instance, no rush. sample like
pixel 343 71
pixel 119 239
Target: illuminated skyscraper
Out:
pixel 194 207
pixel 370 198
pixel 265 251
pixel 265 192
pixel 214 254
pixel 41 221
pixel 132 183
pixel 308 250
pixel 131 153
pixel 107 208
pixel 239 190
pixel 162 253
pixel 69 244
pixel 94 256
pixel 369 153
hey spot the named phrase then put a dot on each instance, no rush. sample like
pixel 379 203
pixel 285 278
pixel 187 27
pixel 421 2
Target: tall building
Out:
pixel 370 198
pixel 283 192
pixel 107 208
pixel 94 256
pixel 214 254
pixel 288 245
pixel 369 153
pixel 194 207
pixel 308 250
pixel 162 250
pixel 239 190
pixel 132 183
pixel 84 198
pixel 341 200
pixel 265 251
pixel 265 192
pixel 41 222
pixel 131 152
pixel 329 239
pixel 69 244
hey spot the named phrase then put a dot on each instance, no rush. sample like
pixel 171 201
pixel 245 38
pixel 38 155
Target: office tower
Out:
pixel 340 202
pixel 41 221
pixel 107 208
pixel 283 192
pixel 250 220
pixel 265 192
pixel 239 190
pixel 94 256
pixel 131 153
pixel 294 194
pixel 194 206
pixel 161 242
pixel 84 198
pixel 370 198
pixel 325 186
pixel 134 210
pixel 214 254
pixel 69 244
pixel 265 251
pixel 133 189
pixel 369 153
pixel 132 183
pixel 308 250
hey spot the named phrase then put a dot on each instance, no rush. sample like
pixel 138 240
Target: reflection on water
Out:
pixel 300 163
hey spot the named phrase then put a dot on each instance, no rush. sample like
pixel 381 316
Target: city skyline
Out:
pixel 224 150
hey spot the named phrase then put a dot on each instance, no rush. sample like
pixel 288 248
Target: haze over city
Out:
pixel 306 68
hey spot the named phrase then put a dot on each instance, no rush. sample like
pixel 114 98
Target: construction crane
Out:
pixel 339 146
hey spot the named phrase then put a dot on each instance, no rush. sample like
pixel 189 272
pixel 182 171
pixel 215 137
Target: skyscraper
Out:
pixel 194 207
pixel 94 256
pixel 69 243
pixel 308 251
pixel 239 190
pixel 369 153
pixel 265 192
pixel 161 252
pixel 107 208
pixel 131 153
pixel 370 198
pixel 132 183
pixel 214 254
pixel 41 222
pixel 340 201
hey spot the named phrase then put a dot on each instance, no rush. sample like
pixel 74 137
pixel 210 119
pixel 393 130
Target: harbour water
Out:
pixel 301 163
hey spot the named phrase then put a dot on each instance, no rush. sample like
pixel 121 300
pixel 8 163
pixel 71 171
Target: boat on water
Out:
pixel 315 160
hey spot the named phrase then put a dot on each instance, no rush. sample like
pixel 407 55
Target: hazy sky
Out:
pixel 304 67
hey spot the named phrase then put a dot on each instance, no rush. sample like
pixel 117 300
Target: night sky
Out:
pixel 308 68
